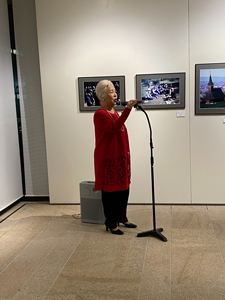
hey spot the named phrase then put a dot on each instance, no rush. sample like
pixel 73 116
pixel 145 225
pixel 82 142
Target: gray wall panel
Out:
pixel 36 176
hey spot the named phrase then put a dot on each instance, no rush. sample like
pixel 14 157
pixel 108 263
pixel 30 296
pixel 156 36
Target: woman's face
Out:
pixel 110 98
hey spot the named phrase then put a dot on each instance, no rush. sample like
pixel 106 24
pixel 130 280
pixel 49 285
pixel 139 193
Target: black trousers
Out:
pixel 115 207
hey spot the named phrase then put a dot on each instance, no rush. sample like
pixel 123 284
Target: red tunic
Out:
pixel 112 152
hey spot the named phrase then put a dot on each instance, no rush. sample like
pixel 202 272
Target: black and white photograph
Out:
pixel 161 90
pixel 210 89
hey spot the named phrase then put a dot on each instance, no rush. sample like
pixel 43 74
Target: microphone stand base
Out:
pixel 155 233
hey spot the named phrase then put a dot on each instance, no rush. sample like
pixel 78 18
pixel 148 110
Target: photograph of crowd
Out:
pixel 90 98
pixel 160 91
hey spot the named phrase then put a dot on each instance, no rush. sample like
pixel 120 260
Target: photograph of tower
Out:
pixel 212 88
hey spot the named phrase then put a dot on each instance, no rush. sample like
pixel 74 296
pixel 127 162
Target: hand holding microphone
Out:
pixel 131 103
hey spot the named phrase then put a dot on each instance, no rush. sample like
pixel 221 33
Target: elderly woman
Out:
pixel 112 157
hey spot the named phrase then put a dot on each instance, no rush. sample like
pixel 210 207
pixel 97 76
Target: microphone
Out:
pixel 124 103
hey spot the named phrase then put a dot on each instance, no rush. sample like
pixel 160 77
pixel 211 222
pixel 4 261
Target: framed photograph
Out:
pixel 88 101
pixel 161 91
pixel 210 89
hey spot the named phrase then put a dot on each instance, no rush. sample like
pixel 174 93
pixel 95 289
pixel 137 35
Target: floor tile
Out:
pixel 193 292
pixel 197 268
pixel 41 280
pixel 8 224
pixel 197 240
pixel 216 212
pixel 155 283
pixel 12 243
pixel 2 233
pixel 23 265
pixel 184 217
pixel 219 228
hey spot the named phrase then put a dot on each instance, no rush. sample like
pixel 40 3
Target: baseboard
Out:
pixel 35 198
pixel 10 206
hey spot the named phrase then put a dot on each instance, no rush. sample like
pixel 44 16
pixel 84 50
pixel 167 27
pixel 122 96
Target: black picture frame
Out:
pixel 88 100
pixel 210 89
pixel 161 90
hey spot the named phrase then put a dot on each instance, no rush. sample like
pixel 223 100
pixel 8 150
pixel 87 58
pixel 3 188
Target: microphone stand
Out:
pixel 154 232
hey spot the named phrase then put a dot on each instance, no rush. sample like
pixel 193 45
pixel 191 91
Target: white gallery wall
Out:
pixel 10 172
pixel 129 37
pixel 207 133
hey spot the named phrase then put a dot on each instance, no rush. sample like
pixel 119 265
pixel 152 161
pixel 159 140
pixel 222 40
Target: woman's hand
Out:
pixel 131 103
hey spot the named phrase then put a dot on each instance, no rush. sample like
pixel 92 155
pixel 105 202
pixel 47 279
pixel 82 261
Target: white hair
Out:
pixel 101 88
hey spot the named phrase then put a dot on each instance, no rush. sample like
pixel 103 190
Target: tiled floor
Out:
pixel 45 253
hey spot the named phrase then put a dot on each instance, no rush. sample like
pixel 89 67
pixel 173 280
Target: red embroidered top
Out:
pixel 112 152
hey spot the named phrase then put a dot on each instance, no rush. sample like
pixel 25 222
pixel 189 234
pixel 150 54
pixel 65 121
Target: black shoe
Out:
pixel 119 232
pixel 129 225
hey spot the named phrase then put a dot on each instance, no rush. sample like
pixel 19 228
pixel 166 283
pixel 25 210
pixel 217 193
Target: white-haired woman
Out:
pixel 112 157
